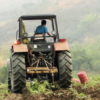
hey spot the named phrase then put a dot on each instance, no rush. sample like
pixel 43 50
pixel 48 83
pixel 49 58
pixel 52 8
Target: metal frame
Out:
pixel 52 24
pixel 38 17
pixel 33 70
pixel 20 29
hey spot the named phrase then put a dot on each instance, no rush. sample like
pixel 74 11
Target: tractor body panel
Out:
pixel 20 48
pixel 59 46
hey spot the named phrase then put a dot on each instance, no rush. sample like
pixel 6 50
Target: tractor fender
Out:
pixel 20 48
pixel 59 46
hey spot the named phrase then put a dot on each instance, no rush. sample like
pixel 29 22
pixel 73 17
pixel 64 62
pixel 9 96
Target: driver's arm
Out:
pixel 49 34
pixel 46 31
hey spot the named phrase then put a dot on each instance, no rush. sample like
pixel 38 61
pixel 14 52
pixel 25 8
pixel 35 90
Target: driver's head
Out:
pixel 43 22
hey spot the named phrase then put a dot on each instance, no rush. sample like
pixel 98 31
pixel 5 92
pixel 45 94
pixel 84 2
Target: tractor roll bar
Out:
pixel 38 17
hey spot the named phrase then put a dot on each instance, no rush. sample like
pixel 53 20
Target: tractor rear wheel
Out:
pixel 18 77
pixel 64 69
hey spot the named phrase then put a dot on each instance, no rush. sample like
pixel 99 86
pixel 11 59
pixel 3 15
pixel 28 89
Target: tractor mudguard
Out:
pixel 20 48
pixel 59 46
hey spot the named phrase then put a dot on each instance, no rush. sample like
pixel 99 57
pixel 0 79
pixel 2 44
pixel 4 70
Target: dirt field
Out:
pixel 74 93
pixel 57 95
pixel 88 91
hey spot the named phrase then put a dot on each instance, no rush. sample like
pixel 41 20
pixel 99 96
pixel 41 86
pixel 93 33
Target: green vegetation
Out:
pixel 93 82
pixel 86 56
pixel 86 27
pixel 92 86
pixel 79 96
pixel 36 87
pixel 3 91
pixel 3 74
pixel 87 21
pixel 77 90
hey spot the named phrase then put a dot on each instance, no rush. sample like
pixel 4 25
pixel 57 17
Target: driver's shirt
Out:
pixel 41 29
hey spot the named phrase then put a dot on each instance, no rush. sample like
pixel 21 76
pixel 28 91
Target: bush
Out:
pixel 86 56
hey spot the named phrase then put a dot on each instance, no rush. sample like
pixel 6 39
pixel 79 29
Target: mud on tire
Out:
pixel 64 69
pixel 18 77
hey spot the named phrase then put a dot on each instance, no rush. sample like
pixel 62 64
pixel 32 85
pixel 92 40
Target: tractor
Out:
pixel 39 56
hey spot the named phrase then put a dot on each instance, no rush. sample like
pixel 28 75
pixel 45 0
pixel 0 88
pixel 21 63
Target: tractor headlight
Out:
pixel 49 46
pixel 35 46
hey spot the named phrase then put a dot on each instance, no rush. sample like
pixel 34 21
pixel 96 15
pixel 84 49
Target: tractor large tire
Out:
pixel 18 77
pixel 8 74
pixel 65 69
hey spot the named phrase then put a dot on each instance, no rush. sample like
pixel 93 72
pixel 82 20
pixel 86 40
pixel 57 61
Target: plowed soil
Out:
pixel 62 94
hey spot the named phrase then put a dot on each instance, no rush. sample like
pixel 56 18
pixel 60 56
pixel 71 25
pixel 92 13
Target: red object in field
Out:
pixel 83 77
pixel 76 80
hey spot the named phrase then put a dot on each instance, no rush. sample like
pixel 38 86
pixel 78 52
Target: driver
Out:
pixel 42 29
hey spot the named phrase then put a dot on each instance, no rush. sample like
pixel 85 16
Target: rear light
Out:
pixel 62 40
pixel 17 42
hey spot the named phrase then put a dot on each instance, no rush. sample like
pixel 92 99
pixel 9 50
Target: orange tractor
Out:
pixel 38 57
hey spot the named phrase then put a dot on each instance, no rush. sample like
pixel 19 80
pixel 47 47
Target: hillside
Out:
pixel 78 22
pixel 77 19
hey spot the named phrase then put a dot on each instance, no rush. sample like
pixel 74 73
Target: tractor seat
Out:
pixel 38 37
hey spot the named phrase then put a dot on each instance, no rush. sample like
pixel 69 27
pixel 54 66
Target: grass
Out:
pixel 3 91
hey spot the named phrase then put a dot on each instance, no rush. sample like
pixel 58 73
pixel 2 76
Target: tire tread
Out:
pixel 65 69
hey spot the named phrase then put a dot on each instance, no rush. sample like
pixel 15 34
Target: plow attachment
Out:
pixel 31 70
